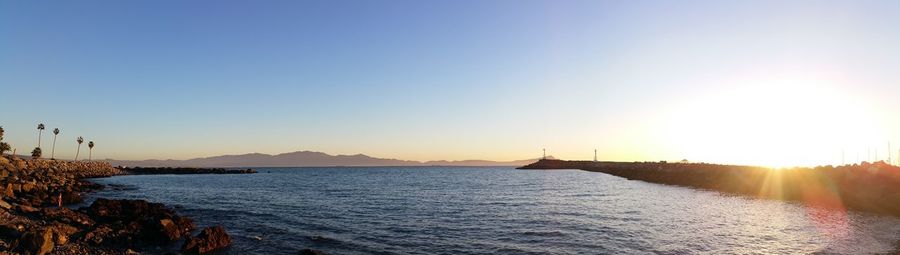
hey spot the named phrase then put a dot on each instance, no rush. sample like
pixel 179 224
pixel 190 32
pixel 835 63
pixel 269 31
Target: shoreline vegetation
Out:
pixel 865 187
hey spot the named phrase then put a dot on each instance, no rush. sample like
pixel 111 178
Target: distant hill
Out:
pixel 305 158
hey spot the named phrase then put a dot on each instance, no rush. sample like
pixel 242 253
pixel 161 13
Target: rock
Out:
pixel 175 229
pixel 10 231
pixel 311 252
pixel 99 235
pixel 5 205
pixel 71 198
pixel 136 222
pixel 67 216
pixel 208 240
pixel 26 209
pixel 61 233
pixel 125 210
pixel 27 187
pixel 9 191
pixel 35 242
pixel 169 229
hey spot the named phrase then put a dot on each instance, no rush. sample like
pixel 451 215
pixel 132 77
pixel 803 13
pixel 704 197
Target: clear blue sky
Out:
pixel 639 80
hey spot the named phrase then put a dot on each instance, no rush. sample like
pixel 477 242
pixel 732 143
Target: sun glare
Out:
pixel 778 123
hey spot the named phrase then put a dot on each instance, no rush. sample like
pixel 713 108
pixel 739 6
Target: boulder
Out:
pixel 100 235
pixel 26 209
pixel 35 242
pixel 71 198
pixel 10 231
pixel 27 187
pixel 62 232
pixel 67 216
pixel 136 222
pixel 5 205
pixel 210 239
pixel 126 210
pixel 8 192
pixel 175 228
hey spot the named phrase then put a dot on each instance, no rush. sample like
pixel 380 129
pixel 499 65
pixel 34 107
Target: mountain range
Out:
pixel 305 159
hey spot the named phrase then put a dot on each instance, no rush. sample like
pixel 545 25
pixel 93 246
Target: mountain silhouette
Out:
pixel 305 159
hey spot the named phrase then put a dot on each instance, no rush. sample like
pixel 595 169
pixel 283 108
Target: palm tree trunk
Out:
pixel 90 154
pixel 39 138
pixel 53 150
pixel 77 151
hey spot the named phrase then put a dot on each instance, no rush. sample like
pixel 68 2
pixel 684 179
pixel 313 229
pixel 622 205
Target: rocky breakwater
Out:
pixel 869 187
pixel 32 222
pixel 184 170
pixel 35 183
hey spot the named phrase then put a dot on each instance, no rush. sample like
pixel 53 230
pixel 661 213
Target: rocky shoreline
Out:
pixel 34 219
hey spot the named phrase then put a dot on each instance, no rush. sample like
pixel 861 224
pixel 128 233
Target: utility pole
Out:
pixel 545 154
pixel 843 154
pixel 595 155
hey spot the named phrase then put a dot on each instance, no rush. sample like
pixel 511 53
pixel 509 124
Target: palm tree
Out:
pixel 90 150
pixel 53 150
pixel 79 140
pixel 36 153
pixel 40 130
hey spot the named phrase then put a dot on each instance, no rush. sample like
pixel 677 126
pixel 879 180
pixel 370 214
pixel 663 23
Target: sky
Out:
pixel 776 83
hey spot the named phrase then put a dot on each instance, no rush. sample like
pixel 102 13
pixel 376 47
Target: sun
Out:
pixel 775 122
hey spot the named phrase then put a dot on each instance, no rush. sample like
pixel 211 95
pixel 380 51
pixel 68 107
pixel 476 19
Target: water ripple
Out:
pixel 444 210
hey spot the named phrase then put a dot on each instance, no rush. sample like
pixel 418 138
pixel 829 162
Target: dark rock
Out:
pixel 100 235
pixel 61 233
pixel 175 229
pixel 8 192
pixel 35 242
pixel 11 231
pixel 136 222
pixel 26 209
pixel 210 239
pixel 67 216
pixel 71 198
pixel 107 210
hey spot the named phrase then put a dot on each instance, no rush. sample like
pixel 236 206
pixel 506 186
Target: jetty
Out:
pixel 867 187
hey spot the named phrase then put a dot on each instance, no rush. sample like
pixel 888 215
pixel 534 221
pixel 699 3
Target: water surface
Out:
pixel 461 210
